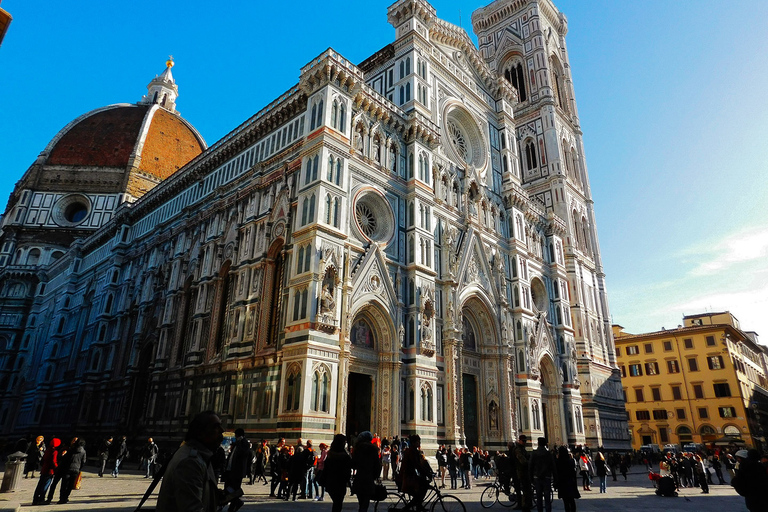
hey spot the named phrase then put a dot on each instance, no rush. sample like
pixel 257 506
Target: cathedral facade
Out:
pixel 407 245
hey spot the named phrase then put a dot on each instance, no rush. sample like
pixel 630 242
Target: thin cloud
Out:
pixel 738 248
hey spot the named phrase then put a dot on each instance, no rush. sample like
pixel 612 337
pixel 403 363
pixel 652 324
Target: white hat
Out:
pixel 742 454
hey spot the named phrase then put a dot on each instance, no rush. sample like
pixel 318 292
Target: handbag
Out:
pixel 78 481
pixel 379 493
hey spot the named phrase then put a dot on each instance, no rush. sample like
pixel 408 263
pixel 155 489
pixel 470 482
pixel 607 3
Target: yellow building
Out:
pixel 703 382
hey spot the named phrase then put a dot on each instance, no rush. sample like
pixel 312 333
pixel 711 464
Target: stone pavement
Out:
pixel 636 494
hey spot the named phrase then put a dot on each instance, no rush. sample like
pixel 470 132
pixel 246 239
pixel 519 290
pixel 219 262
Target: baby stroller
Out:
pixel 666 487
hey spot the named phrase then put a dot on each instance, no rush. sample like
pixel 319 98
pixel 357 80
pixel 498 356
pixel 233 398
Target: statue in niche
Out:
pixel 392 157
pixel 493 416
pixel 327 302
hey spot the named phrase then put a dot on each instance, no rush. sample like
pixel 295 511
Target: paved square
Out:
pixel 636 494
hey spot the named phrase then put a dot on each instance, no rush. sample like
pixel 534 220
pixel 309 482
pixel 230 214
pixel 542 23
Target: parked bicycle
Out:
pixel 434 501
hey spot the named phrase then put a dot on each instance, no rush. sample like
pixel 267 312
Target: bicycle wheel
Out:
pixel 394 501
pixel 448 503
pixel 507 500
pixel 489 496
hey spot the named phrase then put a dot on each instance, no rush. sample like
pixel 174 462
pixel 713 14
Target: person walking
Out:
pixel 34 456
pixel 566 479
pixel 103 454
pixel 122 453
pixel 601 468
pixel 150 457
pixel 386 460
pixel 337 469
pixel 540 468
pixel 525 498
pixel 60 469
pixel 189 482
pixel 624 467
pixel 585 469
pixel 416 473
pixel 47 470
pixel 718 467
pixel 73 463
pixel 320 471
pixel 700 472
pixel 465 468
pixel 236 468
pixel 453 467
pixel 366 462
pixel 442 464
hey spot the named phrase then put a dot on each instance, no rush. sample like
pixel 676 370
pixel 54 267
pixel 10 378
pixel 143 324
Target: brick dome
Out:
pixel 145 137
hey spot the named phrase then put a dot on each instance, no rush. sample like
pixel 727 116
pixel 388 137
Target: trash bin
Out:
pixel 14 468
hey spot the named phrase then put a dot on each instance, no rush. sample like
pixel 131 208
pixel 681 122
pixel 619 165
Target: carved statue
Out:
pixel 392 157
pixel 327 302
pixel 493 416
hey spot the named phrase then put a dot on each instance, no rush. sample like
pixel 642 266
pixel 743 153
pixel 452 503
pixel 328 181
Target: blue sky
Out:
pixel 671 97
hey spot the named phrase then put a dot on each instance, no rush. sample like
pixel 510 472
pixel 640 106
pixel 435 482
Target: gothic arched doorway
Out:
pixel 551 401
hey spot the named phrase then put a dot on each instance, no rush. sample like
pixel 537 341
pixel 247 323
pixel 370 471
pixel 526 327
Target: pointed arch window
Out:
pixel 320 390
pixel 308 172
pixel 313 115
pixel 342 118
pixel 411 405
pixel 319 121
pixel 293 390
pixel 300 261
pixel 407 65
pixel 402 94
pixel 337 179
pixel 328 207
pixel 336 209
pixel 530 155
pixel 315 164
pixel 329 174
pixel 408 92
pixel 335 114
pixel 516 78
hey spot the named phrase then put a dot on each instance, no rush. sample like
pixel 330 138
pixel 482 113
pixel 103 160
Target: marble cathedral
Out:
pixel 406 245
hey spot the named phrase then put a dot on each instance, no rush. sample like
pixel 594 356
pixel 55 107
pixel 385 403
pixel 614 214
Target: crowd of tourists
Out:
pixel 360 463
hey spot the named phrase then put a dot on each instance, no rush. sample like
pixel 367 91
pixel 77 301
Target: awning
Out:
pixel 729 440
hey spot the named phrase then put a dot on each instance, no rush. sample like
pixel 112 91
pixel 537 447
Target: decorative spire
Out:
pixel 162 90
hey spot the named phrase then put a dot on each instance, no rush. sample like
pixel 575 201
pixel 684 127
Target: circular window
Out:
pixel 374 217
pixel 465 138
pixel 75 212
pixel 539 294
pixel 71 210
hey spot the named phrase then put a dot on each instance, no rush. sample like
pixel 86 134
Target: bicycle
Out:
pixel 497 493
pixel 434 501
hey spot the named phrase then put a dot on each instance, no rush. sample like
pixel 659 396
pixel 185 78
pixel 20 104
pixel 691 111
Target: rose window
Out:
pixel 459 141
pixel 374 217
pixel 365 219
pixel 465 139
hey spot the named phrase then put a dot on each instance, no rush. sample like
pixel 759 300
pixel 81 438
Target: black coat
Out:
pixel 337 469
pixel 365 459
pixel 565 475
pixel 75 460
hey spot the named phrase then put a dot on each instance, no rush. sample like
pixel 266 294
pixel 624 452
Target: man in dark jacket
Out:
pixel 74 461
pixel 150 457
pixel 104 448
pixel 237 466
pixel 524 498
pixel 122 452
pixel 540 468
pixel 189 482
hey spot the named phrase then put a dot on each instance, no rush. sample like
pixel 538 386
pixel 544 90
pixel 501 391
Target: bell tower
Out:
pixel 524 42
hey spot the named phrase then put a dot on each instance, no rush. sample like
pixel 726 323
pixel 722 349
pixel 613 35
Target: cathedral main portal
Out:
pixel 359 401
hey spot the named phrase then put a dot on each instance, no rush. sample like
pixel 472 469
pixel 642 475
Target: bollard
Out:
pixel 14 468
